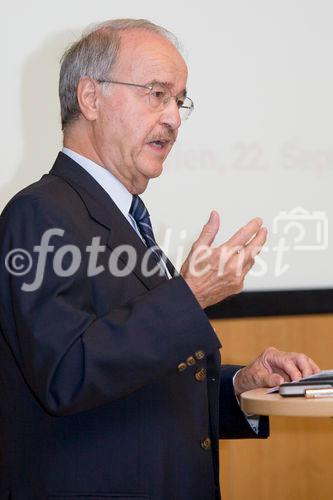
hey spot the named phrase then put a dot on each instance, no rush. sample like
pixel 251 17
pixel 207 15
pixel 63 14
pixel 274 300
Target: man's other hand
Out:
pixel 214 274
pixel 274 367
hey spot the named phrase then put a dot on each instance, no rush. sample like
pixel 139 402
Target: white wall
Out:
pixel 259 141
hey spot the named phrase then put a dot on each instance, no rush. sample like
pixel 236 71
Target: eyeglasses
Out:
pixel 160 96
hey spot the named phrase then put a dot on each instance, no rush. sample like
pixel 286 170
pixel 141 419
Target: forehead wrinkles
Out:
pixel 150 57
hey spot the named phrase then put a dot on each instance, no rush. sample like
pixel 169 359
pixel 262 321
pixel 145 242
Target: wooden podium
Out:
pixel 258 402
pixel 296 461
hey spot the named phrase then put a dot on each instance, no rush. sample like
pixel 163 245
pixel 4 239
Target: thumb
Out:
pixel 274 379
pixel 210 229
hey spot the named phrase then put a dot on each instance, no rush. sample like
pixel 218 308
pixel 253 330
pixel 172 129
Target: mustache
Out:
pixel 169 137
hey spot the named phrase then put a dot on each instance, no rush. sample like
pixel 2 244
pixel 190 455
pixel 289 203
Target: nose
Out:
pixel 170 116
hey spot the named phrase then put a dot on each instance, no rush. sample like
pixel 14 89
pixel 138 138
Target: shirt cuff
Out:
pixel 253 420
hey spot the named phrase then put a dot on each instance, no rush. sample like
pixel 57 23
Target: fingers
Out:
pixel 290 365
pixel 245 234
pixel 291 370
pixel 209 230
pixel 315 367
pixel 255 245
pixel 305 364
pixel 245 259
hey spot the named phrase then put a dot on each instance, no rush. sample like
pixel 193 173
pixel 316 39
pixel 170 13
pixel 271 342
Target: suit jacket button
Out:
pixel 200 375
pixel 206 444
pixel 181 367
pixel 190 361
pixel 199 355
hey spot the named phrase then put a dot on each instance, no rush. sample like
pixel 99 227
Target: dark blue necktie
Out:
pixel 140 214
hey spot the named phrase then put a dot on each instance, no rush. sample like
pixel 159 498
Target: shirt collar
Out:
pixel 115 189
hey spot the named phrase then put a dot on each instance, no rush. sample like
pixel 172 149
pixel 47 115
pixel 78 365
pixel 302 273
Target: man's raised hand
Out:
pixel 215 273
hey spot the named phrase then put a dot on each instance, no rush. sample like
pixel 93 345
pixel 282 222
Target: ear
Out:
pixel 87 95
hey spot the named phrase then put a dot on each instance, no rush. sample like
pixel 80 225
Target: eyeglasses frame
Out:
pixel 150 86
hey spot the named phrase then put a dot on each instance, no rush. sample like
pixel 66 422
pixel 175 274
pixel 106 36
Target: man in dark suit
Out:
pixel 110 377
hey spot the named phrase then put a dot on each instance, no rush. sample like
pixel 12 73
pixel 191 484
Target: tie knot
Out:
pixel 138 209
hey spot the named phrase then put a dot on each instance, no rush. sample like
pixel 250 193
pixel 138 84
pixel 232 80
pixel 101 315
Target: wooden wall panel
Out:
pixel 296 461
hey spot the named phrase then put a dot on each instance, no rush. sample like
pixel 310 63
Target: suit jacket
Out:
pixel 109 385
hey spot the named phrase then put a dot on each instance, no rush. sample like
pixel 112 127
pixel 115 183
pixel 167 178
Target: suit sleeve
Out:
pixel 71 359
pixel 233 423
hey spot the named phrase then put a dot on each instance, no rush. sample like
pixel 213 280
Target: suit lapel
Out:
pixel 104 211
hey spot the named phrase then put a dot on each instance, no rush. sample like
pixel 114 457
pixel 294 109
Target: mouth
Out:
pixel 159 146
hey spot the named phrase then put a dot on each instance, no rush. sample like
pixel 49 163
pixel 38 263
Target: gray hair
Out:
pixel 94 55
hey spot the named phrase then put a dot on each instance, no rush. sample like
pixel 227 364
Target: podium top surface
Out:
pixel 257 402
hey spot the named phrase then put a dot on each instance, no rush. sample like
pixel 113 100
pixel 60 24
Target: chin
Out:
pixel 153 170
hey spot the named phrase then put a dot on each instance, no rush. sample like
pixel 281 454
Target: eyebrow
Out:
pixel 182 93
